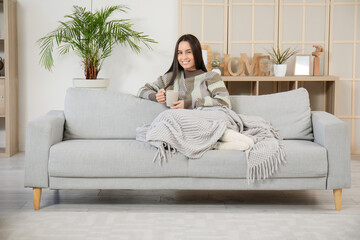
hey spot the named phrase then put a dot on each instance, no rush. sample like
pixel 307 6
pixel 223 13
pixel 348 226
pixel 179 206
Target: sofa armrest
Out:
pixel 333 134
pixel 41 134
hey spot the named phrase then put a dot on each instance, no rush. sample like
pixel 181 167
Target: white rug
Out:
pixel 177 226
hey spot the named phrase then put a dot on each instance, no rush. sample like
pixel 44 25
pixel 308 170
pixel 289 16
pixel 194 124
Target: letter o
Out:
pixel 240 66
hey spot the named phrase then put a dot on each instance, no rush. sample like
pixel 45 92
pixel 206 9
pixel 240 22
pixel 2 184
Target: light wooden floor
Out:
pixel 299 214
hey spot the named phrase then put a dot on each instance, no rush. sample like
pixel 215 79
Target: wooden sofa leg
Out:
pixel 37 198
pixel 337 198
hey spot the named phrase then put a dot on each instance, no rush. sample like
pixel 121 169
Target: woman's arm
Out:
pixel 219 95
pixel 149 90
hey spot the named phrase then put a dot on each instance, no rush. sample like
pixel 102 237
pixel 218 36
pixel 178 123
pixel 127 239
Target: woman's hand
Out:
pixel 160 96
pixel 178 105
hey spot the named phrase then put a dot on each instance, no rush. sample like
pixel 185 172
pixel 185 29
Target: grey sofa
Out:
pixel 91 145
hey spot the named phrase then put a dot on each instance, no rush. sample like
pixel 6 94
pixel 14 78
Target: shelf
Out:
pixel 9 82
pixel 3 153
pixel 279 79
pixel 322 89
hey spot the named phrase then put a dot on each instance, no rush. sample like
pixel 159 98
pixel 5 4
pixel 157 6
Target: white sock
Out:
pixel 235 145
pixel 231 136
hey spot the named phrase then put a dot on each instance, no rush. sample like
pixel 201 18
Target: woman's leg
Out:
pixel 236 145
pixel 234 136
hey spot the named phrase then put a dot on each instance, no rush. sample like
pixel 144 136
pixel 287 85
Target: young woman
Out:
pixel 196 86
pixel 188 76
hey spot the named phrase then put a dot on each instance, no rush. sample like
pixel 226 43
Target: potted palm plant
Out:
pixel 92 36
pixel 279 58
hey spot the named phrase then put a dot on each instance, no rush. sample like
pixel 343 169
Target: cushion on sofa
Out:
pixel 105 114
pixel 118 114
pixel 304 159
pixel 131 158
pixel 289 112
pixel 111 158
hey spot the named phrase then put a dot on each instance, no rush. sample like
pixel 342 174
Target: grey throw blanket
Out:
pixel 193 132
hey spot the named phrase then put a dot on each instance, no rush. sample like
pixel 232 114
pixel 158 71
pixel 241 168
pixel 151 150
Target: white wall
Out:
pixel 41 91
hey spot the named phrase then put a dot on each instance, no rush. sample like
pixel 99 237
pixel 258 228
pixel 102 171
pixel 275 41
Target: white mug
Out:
pixel 171 97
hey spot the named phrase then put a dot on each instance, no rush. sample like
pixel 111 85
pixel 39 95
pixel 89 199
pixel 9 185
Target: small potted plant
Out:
pixel 279 58
pixel 92 36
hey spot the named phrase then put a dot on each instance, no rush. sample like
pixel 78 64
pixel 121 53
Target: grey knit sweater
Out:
pixel 203 90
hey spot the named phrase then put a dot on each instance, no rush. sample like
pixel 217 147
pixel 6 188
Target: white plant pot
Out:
pixel 100 83
pixel 280 70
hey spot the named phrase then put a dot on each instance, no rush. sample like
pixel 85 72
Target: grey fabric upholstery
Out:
pixel 334 135
pixel 111 158
pixel 289 112
pixel 41 134
pixel 187 183
pixel 131 158
pixel 100 150
pixel 104 114
pixel 304 159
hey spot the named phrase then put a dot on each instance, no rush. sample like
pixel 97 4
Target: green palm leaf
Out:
pixel 279 57
pixel 92 36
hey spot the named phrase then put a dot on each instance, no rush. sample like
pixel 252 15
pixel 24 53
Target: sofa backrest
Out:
pixel 101 114
pixel 289 112
pixel 97 114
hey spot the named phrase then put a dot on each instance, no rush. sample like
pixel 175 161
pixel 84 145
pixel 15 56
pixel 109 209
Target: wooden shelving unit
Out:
pixel 9 79
pixel 321 99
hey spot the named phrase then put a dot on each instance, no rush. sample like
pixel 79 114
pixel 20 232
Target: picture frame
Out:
pixel 302 64
pixel 207 56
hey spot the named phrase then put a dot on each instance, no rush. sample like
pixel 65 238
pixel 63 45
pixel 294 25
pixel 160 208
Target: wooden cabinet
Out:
pixel 8 79
pixel 322 89
pixel 2 97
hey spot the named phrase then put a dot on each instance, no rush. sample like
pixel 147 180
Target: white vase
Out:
pixel 100 83
pixel 217 70
pixel 280 70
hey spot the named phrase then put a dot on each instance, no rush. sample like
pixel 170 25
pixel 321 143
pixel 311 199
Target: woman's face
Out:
pixel 185 56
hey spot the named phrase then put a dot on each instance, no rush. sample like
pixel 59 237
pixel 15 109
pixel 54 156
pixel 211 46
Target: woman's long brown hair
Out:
pixel 196 50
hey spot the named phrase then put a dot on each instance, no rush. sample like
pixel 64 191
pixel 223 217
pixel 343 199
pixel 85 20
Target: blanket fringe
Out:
pixel 163 151
pixel 267 168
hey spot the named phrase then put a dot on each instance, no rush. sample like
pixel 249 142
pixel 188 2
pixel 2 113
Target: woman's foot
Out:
pixel 234 136
pixel 236 145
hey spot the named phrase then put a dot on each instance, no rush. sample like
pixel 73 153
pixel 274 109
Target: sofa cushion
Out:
pixel 111 158
pixel 105 114
pixel 131 158
pixel 304 159
pixel 289 112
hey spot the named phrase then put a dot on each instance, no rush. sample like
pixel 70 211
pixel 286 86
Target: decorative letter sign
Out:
pixel 253 68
